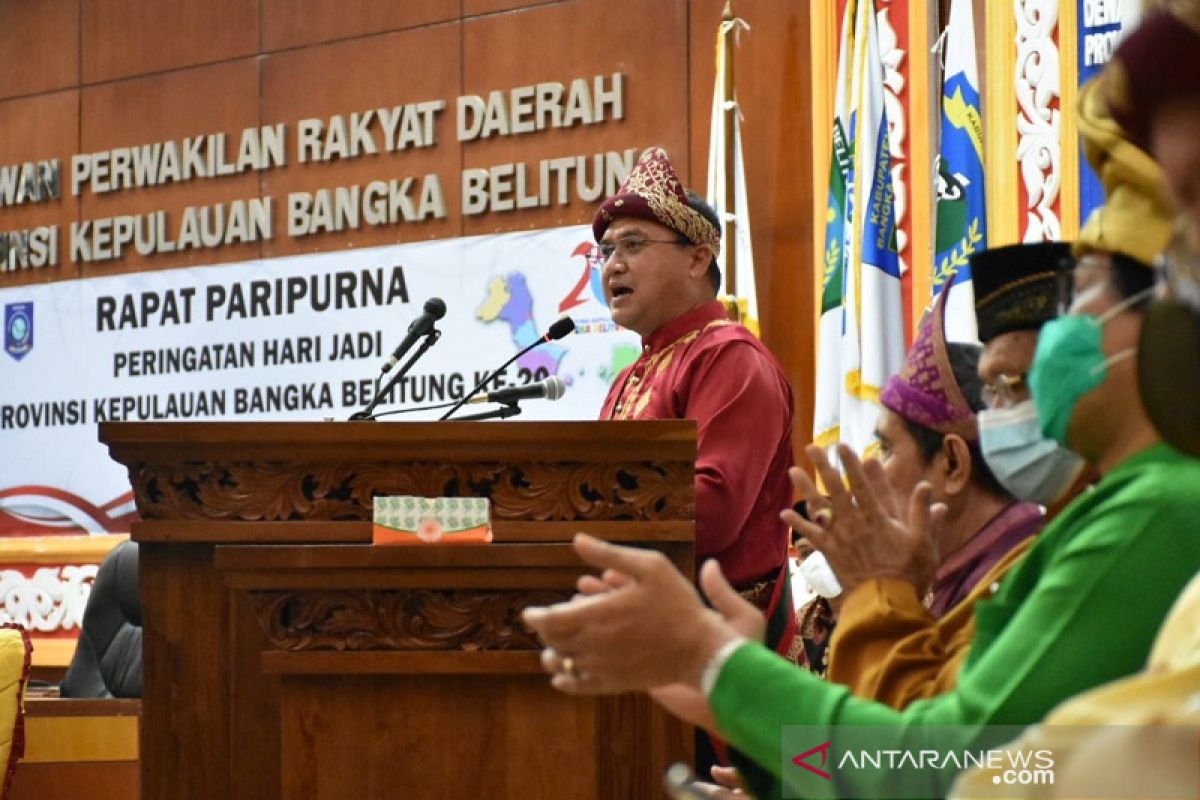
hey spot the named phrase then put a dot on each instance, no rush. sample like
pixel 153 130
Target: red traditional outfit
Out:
pixel 704 367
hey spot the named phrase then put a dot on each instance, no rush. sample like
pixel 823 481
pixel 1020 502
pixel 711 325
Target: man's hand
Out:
pixel 645 627
pixel 862 531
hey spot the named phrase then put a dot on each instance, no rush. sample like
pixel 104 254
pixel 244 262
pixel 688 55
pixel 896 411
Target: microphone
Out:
pixel 435 309
pixel 551 388
pixel 560 328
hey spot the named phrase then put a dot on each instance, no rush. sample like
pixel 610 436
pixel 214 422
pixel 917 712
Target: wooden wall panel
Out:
pixel 577 39
pixel 40 127
pixel 431 50
pixel 134 37
pixel 295 23
pixel 354 76
pixel 472 8
pixel 774 92
pixel 170 106
pixel 29 32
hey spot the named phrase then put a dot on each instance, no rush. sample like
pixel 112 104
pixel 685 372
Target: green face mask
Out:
pixel 1069 363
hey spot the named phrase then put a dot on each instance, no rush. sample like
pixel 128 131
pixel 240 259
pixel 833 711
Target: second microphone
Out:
pixel 551 388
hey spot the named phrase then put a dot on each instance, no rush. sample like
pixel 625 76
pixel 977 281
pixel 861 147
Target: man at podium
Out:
pixel 661 279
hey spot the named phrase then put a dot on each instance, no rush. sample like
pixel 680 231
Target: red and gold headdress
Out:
pixel 654 192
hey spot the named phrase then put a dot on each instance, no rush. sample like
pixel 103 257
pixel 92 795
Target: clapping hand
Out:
pixel 640 625
pixel 867 531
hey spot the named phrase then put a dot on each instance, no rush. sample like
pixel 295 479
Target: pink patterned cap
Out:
pixel 924 391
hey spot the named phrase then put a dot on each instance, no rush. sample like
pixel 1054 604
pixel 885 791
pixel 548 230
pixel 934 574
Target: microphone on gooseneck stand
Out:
pixel 434 310
pixel 560 328
pixel 421 327
pixel 551 388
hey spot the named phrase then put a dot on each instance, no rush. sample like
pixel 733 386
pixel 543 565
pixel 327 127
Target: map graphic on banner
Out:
pixel 297 338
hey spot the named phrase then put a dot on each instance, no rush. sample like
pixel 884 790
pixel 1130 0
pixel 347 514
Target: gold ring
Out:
pixel 823 516
pixel 568 667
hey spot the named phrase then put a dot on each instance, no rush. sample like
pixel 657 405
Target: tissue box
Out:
pixel 432 520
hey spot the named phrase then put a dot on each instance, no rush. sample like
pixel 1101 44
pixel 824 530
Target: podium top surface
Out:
pixel 584 441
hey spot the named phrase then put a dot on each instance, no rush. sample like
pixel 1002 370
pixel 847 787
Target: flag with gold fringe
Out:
pixel 861 329
pixel 720 164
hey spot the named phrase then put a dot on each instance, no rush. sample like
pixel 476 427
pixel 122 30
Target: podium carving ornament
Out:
pixel 399 619
pixel 255 491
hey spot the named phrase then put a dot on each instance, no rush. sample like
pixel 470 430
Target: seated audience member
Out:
pixel 1138 736
pixel 889 646
pixel 927 432
pixel 1045 635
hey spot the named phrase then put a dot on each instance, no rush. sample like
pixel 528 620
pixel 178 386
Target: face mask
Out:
pixel 1069 363
pixel 819 576
pixel 1027 464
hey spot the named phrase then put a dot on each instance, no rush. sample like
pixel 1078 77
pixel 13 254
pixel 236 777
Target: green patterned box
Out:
pixel 406 519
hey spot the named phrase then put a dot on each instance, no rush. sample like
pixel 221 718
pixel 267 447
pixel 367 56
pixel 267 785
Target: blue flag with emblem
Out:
pixel 961 224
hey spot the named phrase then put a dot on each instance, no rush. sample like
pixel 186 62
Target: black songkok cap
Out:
pixel 1016 287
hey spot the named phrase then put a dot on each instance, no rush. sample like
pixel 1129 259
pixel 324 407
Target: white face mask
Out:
pixel 1026 463
pixel 819 576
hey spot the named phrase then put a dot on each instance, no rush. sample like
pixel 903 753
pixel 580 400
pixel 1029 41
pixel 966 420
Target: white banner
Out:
pixel 298 338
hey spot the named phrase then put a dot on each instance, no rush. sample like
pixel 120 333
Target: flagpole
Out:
pixel 729 226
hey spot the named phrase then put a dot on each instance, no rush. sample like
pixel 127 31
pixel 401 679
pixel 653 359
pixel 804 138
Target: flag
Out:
pixel 861 330
pixel 725 97
pixel 961 223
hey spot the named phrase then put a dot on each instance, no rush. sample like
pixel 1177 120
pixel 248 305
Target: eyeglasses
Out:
pixel 1005 390
pixel 628 248
pixel 1179 268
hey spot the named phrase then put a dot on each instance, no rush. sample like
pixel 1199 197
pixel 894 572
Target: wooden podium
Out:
pixel 285 656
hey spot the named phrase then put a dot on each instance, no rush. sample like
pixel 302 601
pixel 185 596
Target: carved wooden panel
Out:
pixel 528 491
pixel 399 620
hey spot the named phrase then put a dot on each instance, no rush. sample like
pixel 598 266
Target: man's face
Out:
pixel 1095 293
pixel 900 456
pixel 647 280
pixel 1004 366
pixel 1176 146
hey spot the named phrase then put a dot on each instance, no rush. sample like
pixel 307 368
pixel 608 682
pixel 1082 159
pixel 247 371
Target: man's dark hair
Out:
pixel 700 205
pixel 964 363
